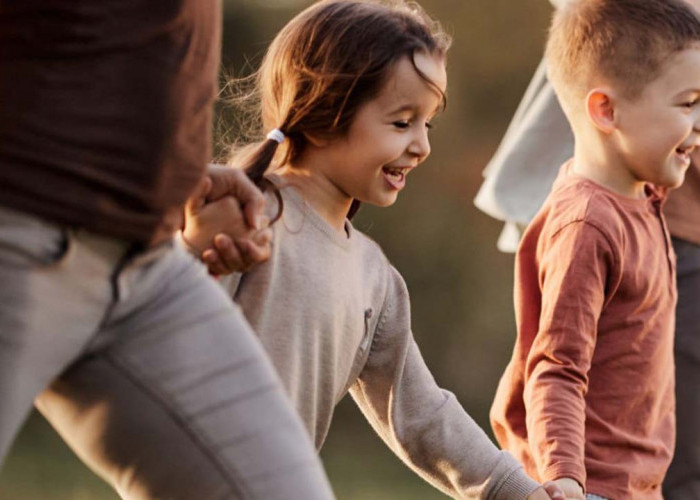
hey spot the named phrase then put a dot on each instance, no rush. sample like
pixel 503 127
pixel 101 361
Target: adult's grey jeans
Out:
pixel 146 369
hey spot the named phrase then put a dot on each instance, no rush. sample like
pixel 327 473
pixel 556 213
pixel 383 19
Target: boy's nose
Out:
pixel 696 117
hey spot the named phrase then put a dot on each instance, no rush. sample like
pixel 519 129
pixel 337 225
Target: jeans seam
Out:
pixel 187 426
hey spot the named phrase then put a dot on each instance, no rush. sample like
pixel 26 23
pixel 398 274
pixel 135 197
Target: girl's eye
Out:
pixel 428 125
pixel 401 124
pixel 690 104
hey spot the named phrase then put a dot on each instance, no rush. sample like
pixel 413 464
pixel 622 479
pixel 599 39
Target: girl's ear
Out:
pixel 601 109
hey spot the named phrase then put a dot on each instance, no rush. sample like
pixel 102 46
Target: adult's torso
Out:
pixel 105 108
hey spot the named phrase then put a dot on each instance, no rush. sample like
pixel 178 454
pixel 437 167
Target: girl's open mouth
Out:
pixel 395 176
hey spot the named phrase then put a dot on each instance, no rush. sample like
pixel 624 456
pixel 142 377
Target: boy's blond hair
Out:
pixel 624 43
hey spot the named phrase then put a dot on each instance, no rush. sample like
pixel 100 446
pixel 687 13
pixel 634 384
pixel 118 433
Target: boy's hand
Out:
pixel 548 491
pixel 571 488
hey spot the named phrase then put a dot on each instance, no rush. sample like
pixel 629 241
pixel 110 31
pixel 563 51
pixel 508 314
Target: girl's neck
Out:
pixel 320 193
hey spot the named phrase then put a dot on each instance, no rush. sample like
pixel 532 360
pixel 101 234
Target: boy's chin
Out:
pixel 673 182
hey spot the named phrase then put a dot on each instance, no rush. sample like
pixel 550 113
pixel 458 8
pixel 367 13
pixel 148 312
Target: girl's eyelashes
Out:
pixel 403 124
pixel 690 104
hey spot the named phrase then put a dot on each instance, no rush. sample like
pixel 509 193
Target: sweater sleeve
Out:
pixel 424 424
pixel 573 268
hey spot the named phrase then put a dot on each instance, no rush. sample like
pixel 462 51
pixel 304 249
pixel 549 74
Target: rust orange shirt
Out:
pixel 589 391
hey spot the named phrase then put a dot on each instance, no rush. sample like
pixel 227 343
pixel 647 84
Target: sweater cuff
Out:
pixel 515 483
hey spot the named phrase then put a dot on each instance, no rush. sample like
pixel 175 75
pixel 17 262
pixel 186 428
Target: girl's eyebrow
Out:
pixel 402 108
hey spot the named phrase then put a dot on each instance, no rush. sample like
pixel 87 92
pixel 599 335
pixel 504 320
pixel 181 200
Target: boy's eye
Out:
pixel 401 124
pixel 428 125
pixel 690 104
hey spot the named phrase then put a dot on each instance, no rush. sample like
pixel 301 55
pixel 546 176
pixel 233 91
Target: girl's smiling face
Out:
pixel 387 138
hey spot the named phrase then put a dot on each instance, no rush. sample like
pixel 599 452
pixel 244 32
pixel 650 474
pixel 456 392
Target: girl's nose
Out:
pixel 420 145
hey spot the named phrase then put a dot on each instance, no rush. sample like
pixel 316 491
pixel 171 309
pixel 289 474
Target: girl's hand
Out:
pixel 548 491
pixel 230 256
pixel 571 488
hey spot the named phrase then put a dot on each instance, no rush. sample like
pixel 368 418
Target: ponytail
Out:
pixel 259 162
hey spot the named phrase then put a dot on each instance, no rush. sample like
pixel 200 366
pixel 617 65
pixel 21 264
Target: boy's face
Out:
pixel 659 129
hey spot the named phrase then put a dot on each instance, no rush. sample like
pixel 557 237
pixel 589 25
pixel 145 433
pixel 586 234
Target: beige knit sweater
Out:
pixel 334 315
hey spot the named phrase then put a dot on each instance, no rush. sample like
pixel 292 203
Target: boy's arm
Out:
pixel 424 424
pixel 574 268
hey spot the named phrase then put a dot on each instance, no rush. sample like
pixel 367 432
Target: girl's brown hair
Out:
pixel 324 64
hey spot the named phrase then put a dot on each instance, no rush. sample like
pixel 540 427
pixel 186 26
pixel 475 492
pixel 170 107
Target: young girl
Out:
pixel 348 89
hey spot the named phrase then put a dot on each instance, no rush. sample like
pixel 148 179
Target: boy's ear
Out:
pixel 600 107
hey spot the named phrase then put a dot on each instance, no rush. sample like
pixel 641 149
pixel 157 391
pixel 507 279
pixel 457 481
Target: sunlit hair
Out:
pixel 324 64
pixel 623 42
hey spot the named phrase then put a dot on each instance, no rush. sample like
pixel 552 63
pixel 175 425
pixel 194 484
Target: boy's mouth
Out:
pixel 396 176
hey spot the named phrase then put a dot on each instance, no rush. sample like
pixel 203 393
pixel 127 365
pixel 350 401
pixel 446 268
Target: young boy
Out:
pixel 587 399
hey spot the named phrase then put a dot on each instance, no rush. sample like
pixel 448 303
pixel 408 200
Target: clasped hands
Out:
pixel 225 224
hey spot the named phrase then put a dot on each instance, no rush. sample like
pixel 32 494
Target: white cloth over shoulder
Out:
pixel 520 175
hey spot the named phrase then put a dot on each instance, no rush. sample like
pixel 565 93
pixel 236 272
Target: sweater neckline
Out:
pixel 291 194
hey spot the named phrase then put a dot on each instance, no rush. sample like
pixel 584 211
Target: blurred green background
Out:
pixel 444 247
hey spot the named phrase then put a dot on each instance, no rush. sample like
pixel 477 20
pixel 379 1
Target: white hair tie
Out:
pixel 276 135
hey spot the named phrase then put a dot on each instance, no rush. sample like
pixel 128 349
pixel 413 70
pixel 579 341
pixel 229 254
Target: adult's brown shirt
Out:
pixel 105 109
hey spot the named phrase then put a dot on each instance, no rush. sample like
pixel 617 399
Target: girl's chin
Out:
pixel 384 201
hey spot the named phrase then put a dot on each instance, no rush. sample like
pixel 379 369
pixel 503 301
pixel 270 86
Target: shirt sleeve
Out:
pixel 574 266
pixel 424 424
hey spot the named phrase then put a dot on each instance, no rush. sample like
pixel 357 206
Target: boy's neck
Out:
pixel 603 166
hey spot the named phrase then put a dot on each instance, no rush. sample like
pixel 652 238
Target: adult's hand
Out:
pixel 228 181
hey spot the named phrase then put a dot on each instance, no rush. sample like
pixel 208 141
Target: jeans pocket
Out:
pixel 30 242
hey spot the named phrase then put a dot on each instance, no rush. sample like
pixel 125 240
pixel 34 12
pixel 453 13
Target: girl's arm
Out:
pixel 424 424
